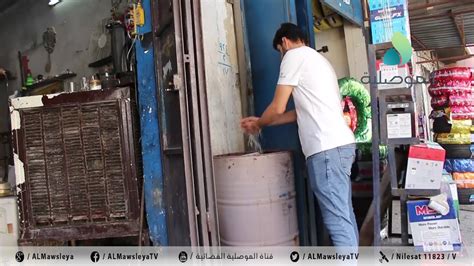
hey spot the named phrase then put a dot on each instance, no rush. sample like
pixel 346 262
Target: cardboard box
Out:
pixel 425 166
pixel 387 17
pixel 393 77
pixel 432 231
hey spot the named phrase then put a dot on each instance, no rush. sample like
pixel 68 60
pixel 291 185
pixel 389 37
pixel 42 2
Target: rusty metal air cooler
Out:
pixel 76 164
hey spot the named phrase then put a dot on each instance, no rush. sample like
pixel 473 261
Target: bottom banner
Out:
pixel 231 256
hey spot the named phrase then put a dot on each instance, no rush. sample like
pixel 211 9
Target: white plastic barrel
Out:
pixel 256 199
pixel 8 221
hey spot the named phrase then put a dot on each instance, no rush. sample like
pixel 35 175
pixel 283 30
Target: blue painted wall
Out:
pixel 265 64
pixel 150 134
pixel 305 20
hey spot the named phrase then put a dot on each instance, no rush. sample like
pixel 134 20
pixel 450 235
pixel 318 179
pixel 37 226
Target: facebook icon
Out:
pixel 95 256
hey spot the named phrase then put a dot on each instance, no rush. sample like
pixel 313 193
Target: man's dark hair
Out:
pixel 291 32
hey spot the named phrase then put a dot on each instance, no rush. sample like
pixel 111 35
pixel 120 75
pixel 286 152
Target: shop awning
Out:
pixel 443 26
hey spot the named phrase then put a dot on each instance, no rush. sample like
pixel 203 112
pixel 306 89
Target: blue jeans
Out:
pixel 329 174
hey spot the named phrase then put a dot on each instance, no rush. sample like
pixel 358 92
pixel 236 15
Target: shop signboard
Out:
pixel 388 17
pixel 349 9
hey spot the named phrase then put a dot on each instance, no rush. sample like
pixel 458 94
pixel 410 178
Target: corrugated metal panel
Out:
pixel 433 23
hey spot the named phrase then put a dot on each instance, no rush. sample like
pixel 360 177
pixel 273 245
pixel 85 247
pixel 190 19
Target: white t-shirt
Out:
pixel 321 124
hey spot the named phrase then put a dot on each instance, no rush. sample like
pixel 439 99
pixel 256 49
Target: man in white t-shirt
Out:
pixel 326 139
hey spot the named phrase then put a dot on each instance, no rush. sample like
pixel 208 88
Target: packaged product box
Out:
pixel 425 166
pixel 432 231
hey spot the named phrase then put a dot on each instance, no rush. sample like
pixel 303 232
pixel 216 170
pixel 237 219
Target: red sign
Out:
pixel 424 210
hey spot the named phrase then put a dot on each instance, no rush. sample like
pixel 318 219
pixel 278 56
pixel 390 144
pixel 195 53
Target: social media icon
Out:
pixel 183 256
pixel 19 256
pixel 294 256
pixel 95 256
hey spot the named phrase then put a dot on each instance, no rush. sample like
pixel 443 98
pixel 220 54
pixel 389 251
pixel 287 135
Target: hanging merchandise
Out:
pixel 458 73
pixel 459 165
pixel 439 102
pixel 454 81
pixel 350 113
pixel 453 138
pixel 462 112
pixel 459 151
pixel 461 100
pixel 360 97
pixel 450 82
pixel 464 180
pixel 461 126
pixel 450 91
pixel 453 98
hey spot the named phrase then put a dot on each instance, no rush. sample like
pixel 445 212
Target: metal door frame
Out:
pixel 189 82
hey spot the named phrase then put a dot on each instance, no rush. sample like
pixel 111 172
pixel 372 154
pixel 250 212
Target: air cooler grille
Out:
pixel 80 165
pixel 74 163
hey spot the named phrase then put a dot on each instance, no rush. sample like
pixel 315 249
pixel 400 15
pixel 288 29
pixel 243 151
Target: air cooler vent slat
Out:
pixel 74 163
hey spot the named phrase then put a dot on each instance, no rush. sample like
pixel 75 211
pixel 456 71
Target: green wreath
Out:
pixel 361 99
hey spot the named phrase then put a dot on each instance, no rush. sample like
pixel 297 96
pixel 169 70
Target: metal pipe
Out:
pixel 197 125
pixel 212 220
pixel 180 84
pixel 443 48
pixel 461 57
pixel 433 4
pixel 375 144
pixel 445 14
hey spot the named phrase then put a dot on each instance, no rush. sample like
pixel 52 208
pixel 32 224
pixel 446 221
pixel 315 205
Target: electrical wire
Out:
pixel 131 46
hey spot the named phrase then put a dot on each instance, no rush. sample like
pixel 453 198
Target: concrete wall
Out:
pixel 356 51
pixel 222 80
pixel 337 54
pixel 465 63
pixel 77 23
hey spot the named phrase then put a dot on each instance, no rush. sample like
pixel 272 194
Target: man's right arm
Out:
pixel 285 118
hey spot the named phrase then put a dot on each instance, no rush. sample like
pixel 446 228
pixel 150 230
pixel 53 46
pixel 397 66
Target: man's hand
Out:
pixel 3 72
pixel 250 125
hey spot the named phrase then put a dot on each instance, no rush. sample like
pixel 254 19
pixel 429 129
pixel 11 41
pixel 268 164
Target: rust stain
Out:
pixel 86 96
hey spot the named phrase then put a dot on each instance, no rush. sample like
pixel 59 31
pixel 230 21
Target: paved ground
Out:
pixel 466 225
